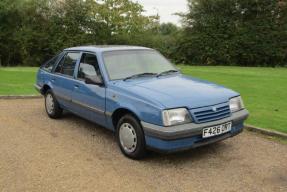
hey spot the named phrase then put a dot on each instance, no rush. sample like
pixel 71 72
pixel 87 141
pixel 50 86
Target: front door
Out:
pixel 89 99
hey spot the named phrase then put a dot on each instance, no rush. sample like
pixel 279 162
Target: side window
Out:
pixel 48 66
pixel 89 67
pixel 67 64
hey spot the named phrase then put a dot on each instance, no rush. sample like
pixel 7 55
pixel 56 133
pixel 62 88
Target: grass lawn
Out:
pixel 17 80
pixel 264 90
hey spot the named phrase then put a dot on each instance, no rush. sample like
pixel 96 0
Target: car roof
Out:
pixel 102 48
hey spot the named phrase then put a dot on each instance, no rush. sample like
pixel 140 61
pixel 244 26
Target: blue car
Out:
pixel 140 96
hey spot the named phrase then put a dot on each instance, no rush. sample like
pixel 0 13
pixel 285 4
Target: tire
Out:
pixel 130 137
pixel 52 106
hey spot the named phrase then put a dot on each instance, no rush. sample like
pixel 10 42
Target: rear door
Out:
pixel 89 99
pixel 43 75
pixel 63 78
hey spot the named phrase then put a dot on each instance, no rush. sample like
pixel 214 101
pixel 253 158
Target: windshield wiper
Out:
pixel 167 72
pixel 139 75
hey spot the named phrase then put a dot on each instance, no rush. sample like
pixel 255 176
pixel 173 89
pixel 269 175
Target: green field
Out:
pixel 264 90
pixel 17 80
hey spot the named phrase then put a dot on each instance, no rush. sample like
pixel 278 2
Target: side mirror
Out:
pixel 95 80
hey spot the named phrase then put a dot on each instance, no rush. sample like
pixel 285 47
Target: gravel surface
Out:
pixel 72 154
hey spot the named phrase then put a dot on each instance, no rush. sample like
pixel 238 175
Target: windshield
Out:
pixel 125 63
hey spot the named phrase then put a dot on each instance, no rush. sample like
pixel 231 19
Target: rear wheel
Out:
pixel 130 137
pixel 52 107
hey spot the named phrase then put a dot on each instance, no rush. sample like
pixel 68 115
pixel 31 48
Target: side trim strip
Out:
pixel 62 97
pixel 83 105
pixel 38 87
pixel 88 107
pixel 109 113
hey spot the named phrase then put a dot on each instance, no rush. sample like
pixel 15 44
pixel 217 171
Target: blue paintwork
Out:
pixel 178 91
pixel 144 97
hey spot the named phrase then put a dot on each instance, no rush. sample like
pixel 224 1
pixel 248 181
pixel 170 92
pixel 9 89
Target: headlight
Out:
pixel 236 104
pixel 175 116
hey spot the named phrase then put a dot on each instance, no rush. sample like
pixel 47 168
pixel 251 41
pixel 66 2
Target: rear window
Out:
pixel 48 66
pixel 67 65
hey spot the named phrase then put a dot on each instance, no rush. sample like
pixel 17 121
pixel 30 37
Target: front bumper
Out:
pixel 181 137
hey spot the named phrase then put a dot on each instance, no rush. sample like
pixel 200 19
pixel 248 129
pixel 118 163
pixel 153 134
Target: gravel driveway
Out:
pixel 72 154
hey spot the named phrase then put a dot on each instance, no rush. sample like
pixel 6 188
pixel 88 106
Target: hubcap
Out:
pixel 49 103
pixel 128 137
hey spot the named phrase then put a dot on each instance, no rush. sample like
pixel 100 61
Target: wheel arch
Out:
pixel 45 88
pixel 120 112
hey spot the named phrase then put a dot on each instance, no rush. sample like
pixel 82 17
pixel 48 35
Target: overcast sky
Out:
pixel 165 8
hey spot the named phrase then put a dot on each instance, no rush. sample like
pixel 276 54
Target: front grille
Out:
pixel 211 113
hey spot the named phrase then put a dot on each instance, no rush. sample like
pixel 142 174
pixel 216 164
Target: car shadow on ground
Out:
pixel 197 154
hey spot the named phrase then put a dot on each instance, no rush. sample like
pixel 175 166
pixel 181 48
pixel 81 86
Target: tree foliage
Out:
pixel 214 32
pixel 33 30
pixel 235 32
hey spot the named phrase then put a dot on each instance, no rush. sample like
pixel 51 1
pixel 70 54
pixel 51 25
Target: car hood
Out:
pixel 179 91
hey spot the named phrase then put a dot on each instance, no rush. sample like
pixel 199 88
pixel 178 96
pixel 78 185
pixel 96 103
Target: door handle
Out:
pixel 76 86
pixel 53 80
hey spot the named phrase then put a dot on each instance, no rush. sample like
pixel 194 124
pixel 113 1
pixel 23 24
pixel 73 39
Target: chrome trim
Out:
pixel 62 97
pixel 109 113
pixel 88 107
pixel 38 87
pixel 82 104
pixel 63 75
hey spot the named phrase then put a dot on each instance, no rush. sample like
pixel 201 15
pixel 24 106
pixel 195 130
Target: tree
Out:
pixel 168 29
pixel 9 19
pixel 241 32
pixel 33 30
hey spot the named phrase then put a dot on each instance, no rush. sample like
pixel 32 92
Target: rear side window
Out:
pixel 48 66
pixel 67 64
pixel 89 66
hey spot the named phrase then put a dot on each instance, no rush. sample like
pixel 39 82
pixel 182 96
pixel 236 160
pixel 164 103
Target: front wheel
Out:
pixel 52 107
pixel 130 137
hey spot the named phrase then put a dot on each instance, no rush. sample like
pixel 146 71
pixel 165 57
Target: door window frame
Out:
pixel 63 57
pixel 58 57
pixel 78 67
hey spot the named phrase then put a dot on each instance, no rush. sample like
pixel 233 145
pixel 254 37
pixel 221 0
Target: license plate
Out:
pixel 216 130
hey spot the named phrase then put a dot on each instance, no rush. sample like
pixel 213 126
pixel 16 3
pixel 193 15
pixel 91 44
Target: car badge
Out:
pixel 214 109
